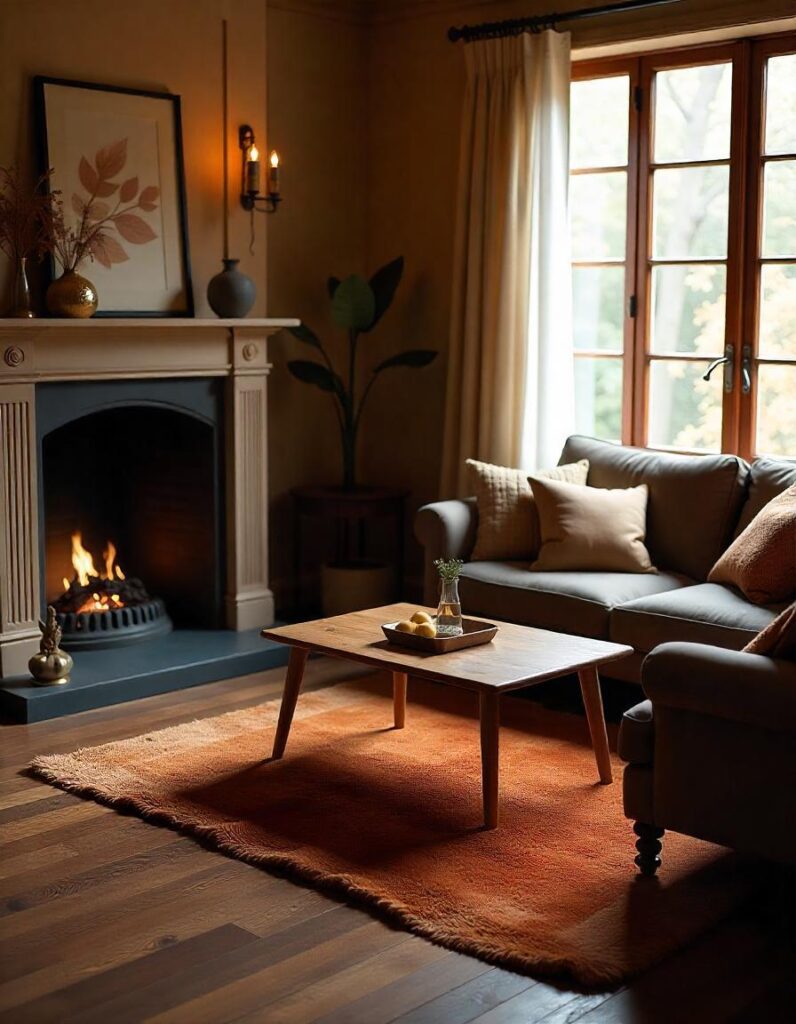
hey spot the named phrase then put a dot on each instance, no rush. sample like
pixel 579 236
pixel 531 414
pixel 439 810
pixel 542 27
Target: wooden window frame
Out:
pixel 748 57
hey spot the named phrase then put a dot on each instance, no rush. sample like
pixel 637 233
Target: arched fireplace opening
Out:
pixel 131 511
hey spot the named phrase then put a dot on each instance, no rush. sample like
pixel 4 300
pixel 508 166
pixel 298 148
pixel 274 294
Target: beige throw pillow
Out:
pixel 761 561
pixel 591 528
pixel 508 524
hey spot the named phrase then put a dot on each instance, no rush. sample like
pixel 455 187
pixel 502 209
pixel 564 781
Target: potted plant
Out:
pixel 357 308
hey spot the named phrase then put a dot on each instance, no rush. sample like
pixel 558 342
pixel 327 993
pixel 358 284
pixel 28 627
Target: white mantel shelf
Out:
pixel 151 322
pixel 43 350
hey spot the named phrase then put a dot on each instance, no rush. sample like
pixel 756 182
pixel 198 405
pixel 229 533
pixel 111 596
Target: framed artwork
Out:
pixel 116 157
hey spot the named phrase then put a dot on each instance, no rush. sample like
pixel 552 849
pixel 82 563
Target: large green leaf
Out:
pixel 384 282
pixel 331 286
pixel 354 304
pixel 416 358
pixel 315 373
pixel 305 334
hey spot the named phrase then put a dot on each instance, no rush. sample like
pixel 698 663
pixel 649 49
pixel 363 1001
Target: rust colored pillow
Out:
pixel 778 639
pixel 761 561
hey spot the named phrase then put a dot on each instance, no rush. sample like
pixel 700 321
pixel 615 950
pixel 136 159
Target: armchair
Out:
pixel 711 753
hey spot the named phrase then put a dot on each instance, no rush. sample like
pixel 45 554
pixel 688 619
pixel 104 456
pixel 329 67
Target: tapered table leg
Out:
pixel 295 673
pixel 595 716
pixel 399 681
pixel 490 735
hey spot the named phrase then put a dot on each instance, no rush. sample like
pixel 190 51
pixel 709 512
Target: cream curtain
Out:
pixel 510 389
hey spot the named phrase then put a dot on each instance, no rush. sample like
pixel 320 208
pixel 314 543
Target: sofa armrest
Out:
pixel 747 688
pixel 446 529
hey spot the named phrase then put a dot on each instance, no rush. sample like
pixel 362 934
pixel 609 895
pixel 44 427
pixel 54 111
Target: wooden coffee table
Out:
pixel 518 656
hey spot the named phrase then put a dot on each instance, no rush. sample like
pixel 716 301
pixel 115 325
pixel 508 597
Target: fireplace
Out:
pixel 133 477
pixel 131 499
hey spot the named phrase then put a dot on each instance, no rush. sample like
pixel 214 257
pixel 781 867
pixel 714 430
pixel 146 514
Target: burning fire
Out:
pixel 86 573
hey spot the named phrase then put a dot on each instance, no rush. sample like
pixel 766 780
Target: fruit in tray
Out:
pixel 421 623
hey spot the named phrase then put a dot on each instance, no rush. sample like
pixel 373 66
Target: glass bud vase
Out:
pixel 449 612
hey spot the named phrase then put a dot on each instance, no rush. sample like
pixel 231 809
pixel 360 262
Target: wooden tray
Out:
pixel 475 633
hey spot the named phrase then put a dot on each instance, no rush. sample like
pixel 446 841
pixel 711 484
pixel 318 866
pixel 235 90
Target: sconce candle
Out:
pixel 253 170
pixel 273 173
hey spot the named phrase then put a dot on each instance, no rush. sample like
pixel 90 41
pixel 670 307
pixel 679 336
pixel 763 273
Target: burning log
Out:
pixel 100 594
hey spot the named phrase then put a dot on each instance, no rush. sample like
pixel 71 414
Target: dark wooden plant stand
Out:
pixel 351 511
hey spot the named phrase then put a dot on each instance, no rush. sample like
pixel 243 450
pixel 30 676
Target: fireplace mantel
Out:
pixel 40 351
pixel 111 348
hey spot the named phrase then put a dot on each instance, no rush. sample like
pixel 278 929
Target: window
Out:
pixel 683 232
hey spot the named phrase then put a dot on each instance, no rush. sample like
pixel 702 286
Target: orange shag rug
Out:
pixel 392 819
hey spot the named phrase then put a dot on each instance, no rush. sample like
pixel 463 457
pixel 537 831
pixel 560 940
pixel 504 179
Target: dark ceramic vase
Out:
pixel 231 293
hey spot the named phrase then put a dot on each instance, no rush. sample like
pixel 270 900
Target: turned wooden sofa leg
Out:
pixel 648 845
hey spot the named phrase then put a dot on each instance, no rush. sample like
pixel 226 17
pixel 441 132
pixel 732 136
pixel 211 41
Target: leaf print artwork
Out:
pixel 106 215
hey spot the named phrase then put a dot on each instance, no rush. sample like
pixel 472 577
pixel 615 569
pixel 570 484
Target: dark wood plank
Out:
pixel 470 1000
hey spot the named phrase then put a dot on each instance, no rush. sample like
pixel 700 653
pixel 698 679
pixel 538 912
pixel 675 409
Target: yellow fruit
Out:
pixel 406 627
pixel 420 617
pixel 426 629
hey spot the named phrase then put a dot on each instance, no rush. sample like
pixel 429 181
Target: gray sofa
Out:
pixel 697 505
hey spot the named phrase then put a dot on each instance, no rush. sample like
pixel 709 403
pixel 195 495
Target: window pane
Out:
pixel 781 104
pixel 598 298
pixel 776 410
pixel 598 397
pixel 599 122
pixel 778 312
pixel 598 211
pixel 692 113
pixel 688 308
pixel 779 208
pixel 690 213
pixel 684 410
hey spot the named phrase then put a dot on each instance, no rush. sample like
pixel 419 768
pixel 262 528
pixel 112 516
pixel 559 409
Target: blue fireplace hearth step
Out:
pixel 184 658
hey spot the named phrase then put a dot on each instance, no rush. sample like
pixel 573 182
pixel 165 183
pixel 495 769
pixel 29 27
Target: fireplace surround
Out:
pixel 154 431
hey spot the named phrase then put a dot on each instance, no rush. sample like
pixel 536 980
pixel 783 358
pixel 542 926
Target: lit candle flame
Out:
pixel 254 153
pixel 274 158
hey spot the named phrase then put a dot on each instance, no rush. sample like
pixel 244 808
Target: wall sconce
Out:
pixel 250 197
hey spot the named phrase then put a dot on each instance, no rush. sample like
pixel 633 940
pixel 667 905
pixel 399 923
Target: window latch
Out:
pixel 746 369
pixel 728 359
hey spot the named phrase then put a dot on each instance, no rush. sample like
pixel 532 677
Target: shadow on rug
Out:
pixel 392 820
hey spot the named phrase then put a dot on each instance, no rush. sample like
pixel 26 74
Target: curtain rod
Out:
pixel 515 26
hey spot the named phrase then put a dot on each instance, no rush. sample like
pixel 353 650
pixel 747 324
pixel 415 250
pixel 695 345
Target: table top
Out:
pixel 518 656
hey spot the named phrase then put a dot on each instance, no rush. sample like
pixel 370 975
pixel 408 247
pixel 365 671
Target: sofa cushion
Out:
pixel 768 478
pixel 694 500
pixel 568 602
pixel 637 734
pixel 707 613
pixel 761 561
pixel 596 529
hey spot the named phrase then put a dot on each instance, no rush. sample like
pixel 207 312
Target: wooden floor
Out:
pixel 104 918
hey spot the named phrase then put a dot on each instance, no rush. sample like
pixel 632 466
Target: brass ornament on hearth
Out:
pixel 51 666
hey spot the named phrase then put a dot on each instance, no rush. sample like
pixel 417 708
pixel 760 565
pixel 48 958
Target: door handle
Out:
pixel 728 359
pixel 746 369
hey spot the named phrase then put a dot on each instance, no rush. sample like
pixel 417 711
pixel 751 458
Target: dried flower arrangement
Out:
pixel 22 213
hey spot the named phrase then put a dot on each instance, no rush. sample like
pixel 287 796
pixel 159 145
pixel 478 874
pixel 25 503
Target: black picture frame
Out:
pixel 40 82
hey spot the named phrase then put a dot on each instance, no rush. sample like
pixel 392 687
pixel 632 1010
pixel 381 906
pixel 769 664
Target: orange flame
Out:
pixel 85 571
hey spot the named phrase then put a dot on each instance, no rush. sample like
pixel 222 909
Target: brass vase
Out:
pixel 72 295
